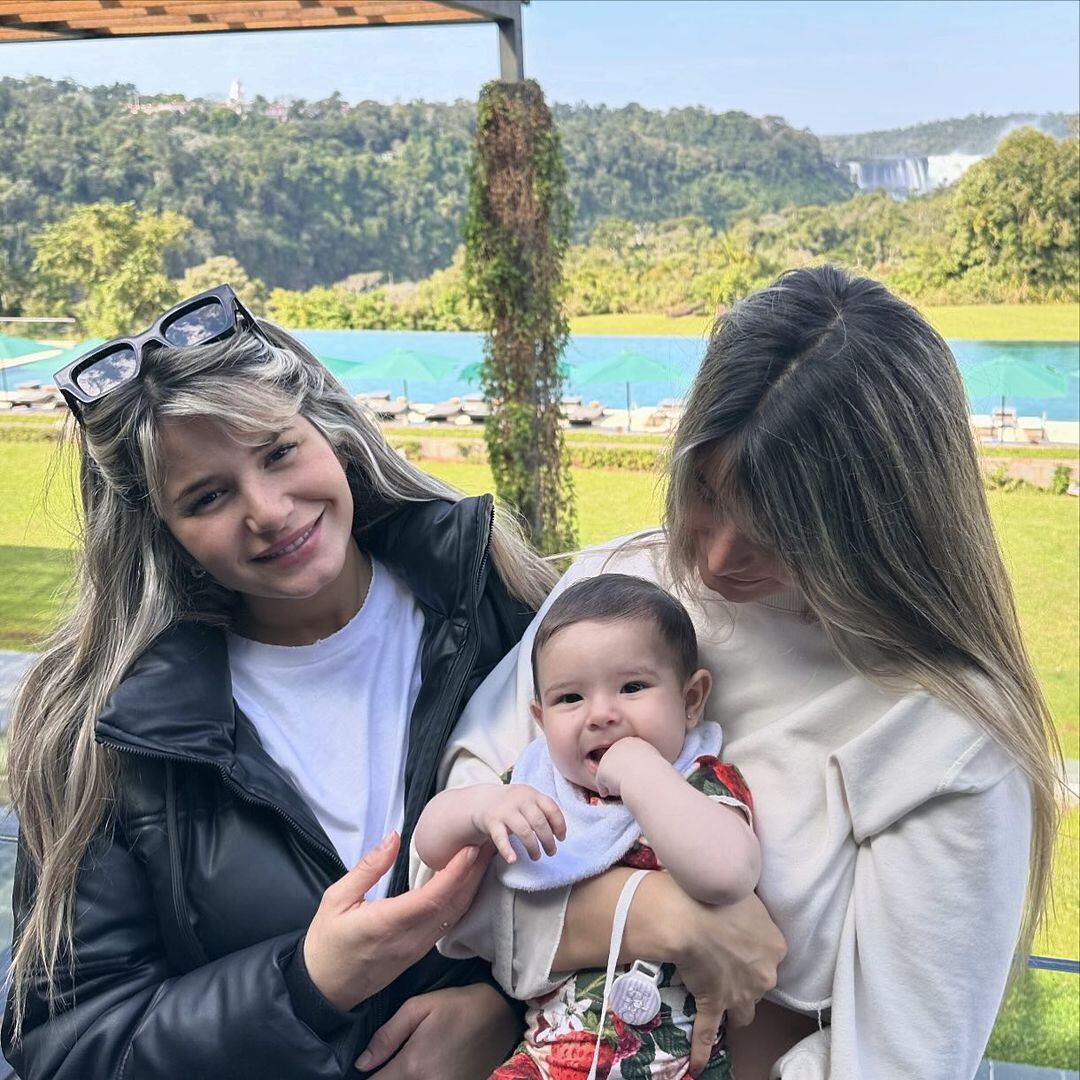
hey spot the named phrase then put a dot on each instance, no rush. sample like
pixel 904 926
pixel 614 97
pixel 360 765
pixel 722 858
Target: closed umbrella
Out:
pixel 628 366
pixel 1011 377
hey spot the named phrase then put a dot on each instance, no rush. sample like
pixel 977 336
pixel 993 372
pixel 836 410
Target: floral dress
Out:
pixel 561 1027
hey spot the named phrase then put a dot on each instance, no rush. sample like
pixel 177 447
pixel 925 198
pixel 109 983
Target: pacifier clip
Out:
pixel 634 997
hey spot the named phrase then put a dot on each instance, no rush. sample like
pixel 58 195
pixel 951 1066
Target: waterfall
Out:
pixel 902 176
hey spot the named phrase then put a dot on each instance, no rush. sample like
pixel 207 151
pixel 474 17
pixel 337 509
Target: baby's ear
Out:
pixel 695 694
pixel 536 711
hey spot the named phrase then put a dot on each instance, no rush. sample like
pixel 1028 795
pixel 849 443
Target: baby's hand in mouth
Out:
pixel 619 761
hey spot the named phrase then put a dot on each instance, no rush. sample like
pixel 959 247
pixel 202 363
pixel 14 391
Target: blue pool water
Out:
pixel 682 353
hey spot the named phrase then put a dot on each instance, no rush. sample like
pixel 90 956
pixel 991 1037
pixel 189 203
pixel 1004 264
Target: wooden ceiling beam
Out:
pixel 229 12
pixel 145 29
pixel 59 20
pixel 165 22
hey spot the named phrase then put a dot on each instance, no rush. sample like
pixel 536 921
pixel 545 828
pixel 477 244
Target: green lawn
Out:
pixel 1039 1022
pixel 978 322
pixel 1040 536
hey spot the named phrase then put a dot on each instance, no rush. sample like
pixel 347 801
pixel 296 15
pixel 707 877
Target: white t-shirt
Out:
pixel 334 715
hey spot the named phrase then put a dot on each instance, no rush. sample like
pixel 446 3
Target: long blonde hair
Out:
pixel 134 581
pixel 829 422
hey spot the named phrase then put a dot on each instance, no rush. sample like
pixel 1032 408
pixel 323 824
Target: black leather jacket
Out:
pixel 190 905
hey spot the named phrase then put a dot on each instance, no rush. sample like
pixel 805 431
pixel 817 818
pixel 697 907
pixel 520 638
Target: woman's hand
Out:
pixel 726 956
pixel 353 948
pixel 467 1030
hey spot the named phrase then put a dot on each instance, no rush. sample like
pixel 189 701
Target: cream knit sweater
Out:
pixel 894 835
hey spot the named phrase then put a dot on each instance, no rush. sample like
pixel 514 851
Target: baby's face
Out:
pixel 604 681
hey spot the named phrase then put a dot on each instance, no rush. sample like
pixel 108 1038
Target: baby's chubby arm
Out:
pixel 459 817
pixel 707 847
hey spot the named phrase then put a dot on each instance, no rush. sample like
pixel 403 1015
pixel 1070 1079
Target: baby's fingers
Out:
pixel 501 839
pixel 554 816
pixel 536 818
pixel 525 831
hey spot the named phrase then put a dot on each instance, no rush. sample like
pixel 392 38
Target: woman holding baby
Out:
pixel 827 531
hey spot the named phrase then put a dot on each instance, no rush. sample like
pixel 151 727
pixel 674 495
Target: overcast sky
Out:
pixel 829 66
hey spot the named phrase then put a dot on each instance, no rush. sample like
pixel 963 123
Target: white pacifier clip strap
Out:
pixel 618 925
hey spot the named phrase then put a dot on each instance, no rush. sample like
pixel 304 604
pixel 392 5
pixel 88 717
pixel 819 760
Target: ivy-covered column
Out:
pixel 516 233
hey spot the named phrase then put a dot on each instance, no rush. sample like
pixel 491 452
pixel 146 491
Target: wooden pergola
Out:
pixel 67 20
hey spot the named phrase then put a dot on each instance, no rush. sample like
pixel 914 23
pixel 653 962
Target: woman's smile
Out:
pixel 294 549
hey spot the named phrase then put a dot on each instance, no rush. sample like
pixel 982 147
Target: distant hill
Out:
pixel 975 134
pixel 311 192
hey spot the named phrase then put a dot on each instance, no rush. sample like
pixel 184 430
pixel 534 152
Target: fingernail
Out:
pixel 386 841
pixel 471 853
pixel 365 1059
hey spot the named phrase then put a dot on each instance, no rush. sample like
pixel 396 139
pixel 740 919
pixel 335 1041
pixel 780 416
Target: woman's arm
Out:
pixel 132 1015
pixel 706 846
pixel 726 956
pixel 928 939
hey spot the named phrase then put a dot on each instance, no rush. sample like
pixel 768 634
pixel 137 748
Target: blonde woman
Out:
pixel 276 624
pixel 827 527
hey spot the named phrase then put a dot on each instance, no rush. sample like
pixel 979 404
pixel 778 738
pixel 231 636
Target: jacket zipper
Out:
pixel 380 1006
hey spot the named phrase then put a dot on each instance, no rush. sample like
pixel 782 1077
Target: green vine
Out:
pixel 516 233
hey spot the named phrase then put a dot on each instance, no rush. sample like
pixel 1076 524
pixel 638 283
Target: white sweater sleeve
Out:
pixel 927 941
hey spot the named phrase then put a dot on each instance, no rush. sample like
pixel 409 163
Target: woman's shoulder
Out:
pixel 920 749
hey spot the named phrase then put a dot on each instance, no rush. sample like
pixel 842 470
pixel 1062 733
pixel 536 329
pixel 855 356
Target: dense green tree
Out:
pixel 106 263
pixel 223 270
pixel 1015 221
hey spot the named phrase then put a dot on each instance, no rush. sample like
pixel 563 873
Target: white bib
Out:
pixel 597 834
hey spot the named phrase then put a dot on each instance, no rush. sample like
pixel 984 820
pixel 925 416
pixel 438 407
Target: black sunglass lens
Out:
pixel 101 376
pixel 199 324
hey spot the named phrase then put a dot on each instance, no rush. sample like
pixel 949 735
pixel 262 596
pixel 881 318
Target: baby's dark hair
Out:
pixel 621 598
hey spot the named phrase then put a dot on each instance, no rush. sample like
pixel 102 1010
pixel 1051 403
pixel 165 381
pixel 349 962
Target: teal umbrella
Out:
pixel 406 364
pixel 627 366
pixel 1011 377
pixel 340 368
pixel 73 352
pixel 471 372
pixel 13 348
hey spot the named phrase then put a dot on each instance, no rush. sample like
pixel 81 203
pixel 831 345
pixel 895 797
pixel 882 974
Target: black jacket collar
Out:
pixel 176 700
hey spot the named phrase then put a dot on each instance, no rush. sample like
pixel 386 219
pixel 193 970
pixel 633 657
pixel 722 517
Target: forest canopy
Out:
pixel 350 216
pixel 333 189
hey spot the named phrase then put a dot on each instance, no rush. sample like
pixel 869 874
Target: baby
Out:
pixel 626 774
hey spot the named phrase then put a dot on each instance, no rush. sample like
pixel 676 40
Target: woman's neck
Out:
pixel 313 618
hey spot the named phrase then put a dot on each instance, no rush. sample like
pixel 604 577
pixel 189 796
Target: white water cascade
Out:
pixel 902 176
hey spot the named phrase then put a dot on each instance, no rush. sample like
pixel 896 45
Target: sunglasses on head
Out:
pixel 211 316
